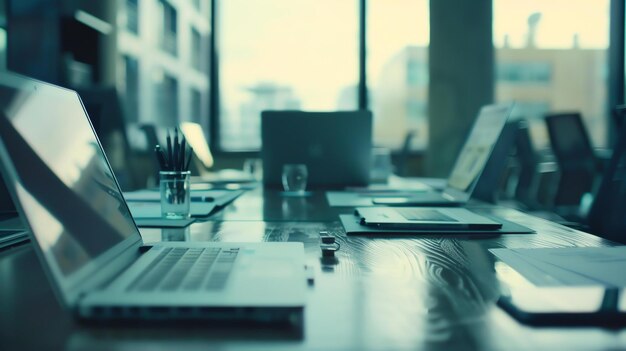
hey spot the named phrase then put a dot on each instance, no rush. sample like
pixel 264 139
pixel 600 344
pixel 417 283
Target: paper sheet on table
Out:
pixel 347 199
pixel 153 209
pixel 568 266
pixel 219 197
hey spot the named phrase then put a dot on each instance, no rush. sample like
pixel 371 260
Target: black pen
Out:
pixel 181 162
pixel 176 151
pixel 189 159
pixel 160 157
pixel 169 151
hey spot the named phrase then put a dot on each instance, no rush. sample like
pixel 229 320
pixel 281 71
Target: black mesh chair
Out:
pixel 105 112
pixel 607 216
pixel 619 114
pixel 528 162
pixel 574 154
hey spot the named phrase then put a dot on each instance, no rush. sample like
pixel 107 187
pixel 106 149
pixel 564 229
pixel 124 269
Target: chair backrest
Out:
pixel 528 161
pixel 6 203
pixel 619 114
pixel 405 152
pixel 105 112
pixel 150 132
pixel 574 154
pixel 607 216
pixel 569 140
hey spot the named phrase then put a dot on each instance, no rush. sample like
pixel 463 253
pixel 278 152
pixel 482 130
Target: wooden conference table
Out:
pixel 414 293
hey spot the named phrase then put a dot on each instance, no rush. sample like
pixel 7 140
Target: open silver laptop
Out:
pixel 469 164
pixel 89 245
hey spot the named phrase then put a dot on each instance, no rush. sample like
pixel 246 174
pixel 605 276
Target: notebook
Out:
pixel 424 218
pixel 89 245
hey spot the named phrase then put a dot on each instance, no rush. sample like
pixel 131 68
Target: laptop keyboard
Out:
pixel 417 214
pixel 187 270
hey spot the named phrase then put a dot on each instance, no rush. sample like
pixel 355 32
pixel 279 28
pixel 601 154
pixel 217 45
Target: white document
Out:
pixel 568 266
pixel 603 264
pixel 152 210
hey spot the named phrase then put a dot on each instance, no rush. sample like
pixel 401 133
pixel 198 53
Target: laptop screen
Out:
pixel 478 146
pixel 60 175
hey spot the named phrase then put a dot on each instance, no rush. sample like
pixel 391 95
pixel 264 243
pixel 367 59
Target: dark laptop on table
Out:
pixel 336 147
pixel 469 164
pixel 89 245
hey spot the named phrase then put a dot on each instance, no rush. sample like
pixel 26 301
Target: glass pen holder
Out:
pixel 175 194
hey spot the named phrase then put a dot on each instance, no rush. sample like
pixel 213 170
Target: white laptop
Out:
pixel 89 245
pixel 469 164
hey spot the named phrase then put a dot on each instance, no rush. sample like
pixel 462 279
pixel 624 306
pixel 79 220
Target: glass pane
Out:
pixel 397 70
pixel 169 30
pixel 129 16
pixel 551 56
pixel 284 54
pixel 196 106
pixel 166 97
pixel 131 88
pixel 198 50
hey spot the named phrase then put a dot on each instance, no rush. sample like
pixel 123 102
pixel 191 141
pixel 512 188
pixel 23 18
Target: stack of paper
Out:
pixel 568 266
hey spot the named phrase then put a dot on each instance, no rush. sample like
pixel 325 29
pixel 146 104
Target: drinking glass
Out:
pixel 295 178
pixel 175 191
pixel 381 165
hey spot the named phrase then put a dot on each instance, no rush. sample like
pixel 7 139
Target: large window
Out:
pixel 283 54
pixel 551 56
pixel 305 54
pixel 164 59
pixel 397 70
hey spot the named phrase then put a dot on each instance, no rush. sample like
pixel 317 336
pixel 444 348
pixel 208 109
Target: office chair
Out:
pixel 150 132
pixel 6 202
pixel 105 112
pixel 619 114
pixel 405 154
pixel 528 161
pixel 574 154
pixel 607 216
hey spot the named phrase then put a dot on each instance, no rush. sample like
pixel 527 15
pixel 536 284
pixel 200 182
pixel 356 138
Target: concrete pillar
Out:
pixel 461 66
